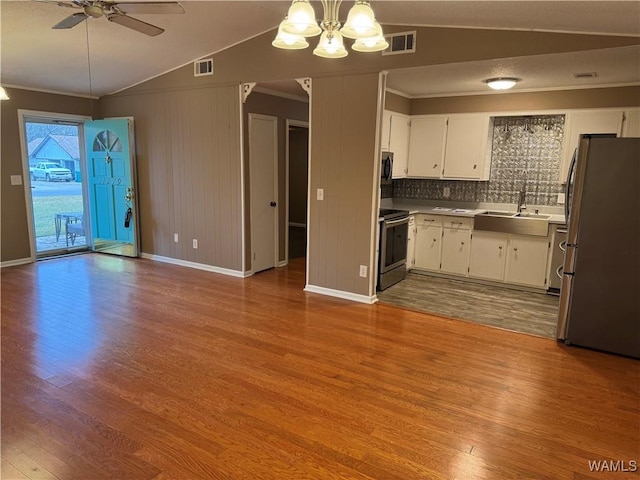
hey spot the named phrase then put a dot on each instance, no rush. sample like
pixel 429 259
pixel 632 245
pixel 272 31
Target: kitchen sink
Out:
pixel 523 223
pixel 532 215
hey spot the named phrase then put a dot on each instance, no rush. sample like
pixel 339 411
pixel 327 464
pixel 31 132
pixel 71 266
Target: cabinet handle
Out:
pixel 462 243
pixel 500 247
pixel 474 166
pixel 515 249
pixel 435 165
pixel 434 239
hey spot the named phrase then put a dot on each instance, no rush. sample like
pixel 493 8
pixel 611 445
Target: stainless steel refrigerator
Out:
pixel 600 293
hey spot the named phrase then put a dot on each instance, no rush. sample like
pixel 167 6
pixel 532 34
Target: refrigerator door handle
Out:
pixel 567 187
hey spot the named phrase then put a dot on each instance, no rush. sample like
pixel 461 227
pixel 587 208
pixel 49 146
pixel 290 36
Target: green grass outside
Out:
pixel 45 209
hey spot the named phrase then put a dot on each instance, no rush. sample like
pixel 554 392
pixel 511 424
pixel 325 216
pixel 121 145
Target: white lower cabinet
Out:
pixel 527 260
pixel 455 251
pixel 428 242
pixel 411 242
pixel 488 255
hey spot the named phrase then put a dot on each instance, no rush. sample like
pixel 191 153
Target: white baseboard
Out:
pixel 198 266
pixel 283 263
pixel 18 261
pixel 354 297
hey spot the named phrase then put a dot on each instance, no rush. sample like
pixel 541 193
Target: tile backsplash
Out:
pixel 526 153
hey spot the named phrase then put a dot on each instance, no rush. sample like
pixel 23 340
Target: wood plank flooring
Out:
pixel 520 311
pixel 132 369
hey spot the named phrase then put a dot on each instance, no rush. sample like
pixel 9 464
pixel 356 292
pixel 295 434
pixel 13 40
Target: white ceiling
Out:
pixel 35 56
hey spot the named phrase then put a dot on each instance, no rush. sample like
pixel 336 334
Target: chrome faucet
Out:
pixel 522 196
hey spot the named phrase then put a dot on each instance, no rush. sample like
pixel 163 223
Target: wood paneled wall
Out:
pixel 189 172
pixel 343 163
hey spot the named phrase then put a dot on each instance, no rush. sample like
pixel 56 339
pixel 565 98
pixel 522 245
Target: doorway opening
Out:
pixel 297 184
pixel 55 187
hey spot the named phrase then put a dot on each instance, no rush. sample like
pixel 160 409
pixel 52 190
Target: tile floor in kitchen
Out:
pixel 526 312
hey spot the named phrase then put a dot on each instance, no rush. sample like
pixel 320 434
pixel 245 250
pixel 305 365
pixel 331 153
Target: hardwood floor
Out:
pixel 132 369
pixel 520 311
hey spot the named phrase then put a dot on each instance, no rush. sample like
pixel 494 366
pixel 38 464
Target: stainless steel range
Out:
pixel 392 261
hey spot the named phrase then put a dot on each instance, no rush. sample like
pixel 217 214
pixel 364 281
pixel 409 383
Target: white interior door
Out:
pixel 263 162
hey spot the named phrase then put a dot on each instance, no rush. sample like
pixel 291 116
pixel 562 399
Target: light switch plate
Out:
pixel 16 179
pixel 363 271
pixel 320 194
pixel 561 199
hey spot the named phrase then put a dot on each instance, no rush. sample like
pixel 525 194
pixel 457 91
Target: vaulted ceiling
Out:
pixel 98 57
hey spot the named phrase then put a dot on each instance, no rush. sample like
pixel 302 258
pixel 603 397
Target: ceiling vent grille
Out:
pixel 401 42
pixel 203 67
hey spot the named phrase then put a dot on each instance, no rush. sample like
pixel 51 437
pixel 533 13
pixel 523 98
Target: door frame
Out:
pixel 23 115
pixel 252 236
pixel 293 123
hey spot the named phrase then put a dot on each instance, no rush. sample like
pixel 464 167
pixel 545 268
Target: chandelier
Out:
pixel 361 26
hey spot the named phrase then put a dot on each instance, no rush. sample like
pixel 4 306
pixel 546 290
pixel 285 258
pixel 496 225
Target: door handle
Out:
pixel 273 204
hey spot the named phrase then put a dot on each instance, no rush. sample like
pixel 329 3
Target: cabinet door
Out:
pixel 411 242
pixel 488 255
pixel 386 131
pixel 527 260
pixel 427 247
pixel 399 144
pixel 426 146
pixel 589 121
pixel 631 126
pixel 455 251
pixel 466 147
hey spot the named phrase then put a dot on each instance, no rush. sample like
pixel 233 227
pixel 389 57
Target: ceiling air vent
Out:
pixel 401 42
pixel 203 67
pixel 585 75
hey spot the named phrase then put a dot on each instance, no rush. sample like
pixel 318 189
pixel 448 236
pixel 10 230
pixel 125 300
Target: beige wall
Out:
pixel 397 103
pixel 283 109
pixel 189 172
pixel 559 99
pixel 14 241
pixel 343 163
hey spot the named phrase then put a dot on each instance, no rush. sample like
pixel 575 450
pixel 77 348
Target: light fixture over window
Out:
pixel 3 94
pixel 502 83
pixel 361 26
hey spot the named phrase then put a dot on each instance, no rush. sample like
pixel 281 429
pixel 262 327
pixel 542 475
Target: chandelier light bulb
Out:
pixel 360 21
pixel 301 20
pixel 330 45
pixel 288 41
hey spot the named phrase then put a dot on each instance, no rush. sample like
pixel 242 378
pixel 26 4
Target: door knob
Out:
pixel 273 204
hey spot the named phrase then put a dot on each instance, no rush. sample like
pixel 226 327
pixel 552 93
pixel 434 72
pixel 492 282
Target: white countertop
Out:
pixel 469 209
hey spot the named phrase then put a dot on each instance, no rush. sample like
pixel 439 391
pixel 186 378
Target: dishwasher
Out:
pixel 557 259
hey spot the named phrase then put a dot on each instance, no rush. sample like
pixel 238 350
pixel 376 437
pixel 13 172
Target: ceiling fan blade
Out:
pixel 135 24
pixel 149 7
pixel 70 21
pixel 60 3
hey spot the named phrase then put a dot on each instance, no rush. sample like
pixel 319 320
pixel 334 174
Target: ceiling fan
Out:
pixel 116 12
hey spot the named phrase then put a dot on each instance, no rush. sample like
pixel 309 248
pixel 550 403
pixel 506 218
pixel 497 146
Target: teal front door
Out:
pixel 111 185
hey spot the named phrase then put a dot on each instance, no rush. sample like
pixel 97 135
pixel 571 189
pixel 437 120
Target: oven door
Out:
pixel 393 247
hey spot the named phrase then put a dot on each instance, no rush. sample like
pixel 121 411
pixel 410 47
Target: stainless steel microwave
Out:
pixel 386 171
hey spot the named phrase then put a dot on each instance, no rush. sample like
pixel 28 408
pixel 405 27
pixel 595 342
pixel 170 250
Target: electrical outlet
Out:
pixel 175 237
pixel 320 194
pixel 446 192
pixel 561 199
pixel 16 179
pixel 363 271
pixel 195 243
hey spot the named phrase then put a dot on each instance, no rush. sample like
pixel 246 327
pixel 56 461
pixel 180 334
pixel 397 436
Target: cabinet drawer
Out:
pixel 429 220
pixel 460 223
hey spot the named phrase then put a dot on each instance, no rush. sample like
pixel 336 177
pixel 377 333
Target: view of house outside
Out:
pixel 56 185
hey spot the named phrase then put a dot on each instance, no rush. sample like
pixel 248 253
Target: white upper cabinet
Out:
pixel 631 125
pixel 450 146
pixel 399 143
pixel 581 122
pixel 386 131
pixel 427 146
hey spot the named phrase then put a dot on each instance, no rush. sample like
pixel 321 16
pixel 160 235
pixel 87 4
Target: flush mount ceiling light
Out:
pixel 361 26
pixel 502 83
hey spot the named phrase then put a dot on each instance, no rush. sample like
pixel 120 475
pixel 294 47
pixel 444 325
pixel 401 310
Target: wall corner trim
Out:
pixel 354 297
pixel 17 261
pixel 197 266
